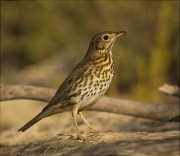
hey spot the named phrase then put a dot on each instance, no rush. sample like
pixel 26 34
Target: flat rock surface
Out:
pixel 55 135
pixel 141 144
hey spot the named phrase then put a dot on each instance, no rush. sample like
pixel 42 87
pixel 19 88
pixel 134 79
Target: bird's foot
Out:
pixel 80 137
pixel 91 130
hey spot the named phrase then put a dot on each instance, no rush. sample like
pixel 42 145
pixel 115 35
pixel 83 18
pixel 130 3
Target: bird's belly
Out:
pixel 88 92
pixel 87 102
pixel 93 94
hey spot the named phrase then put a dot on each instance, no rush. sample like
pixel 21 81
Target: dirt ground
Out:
pixel 54 135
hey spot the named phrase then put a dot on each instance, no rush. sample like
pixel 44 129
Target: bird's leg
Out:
pixel 79 136
pixel 91 130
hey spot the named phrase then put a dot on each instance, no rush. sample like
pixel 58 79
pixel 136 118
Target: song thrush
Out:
pixel 86 83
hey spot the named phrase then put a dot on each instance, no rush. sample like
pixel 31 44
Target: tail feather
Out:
pixel 32 122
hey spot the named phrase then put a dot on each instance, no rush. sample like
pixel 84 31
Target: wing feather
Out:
pixel 79 70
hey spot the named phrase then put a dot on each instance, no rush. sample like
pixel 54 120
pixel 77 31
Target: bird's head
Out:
pixel 102 43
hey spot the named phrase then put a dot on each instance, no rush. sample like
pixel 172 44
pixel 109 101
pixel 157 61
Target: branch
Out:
pixel 170 90
pixel 162 112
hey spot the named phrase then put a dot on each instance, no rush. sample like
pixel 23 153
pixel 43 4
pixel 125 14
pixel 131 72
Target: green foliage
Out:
pixel 145 58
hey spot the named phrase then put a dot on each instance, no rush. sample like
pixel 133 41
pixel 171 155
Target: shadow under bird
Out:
pixel 86 83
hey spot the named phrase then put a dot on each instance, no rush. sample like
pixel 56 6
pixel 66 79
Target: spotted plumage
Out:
pixel 86 83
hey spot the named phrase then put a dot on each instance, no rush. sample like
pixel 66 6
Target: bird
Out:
pixel 86 83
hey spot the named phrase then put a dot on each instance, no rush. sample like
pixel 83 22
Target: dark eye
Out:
pixel 105 37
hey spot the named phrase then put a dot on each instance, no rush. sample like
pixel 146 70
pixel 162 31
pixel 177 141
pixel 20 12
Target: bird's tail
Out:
pixel 33 121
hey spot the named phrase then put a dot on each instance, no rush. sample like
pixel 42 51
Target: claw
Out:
pixel 92 130
pixel 80 137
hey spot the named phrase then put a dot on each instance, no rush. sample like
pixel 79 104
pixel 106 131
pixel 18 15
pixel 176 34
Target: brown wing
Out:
pixel 79 70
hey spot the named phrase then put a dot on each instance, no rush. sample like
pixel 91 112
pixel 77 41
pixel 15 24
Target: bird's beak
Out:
pixel 120 33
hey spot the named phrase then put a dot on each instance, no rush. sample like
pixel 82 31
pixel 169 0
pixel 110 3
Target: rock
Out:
pixel 130 143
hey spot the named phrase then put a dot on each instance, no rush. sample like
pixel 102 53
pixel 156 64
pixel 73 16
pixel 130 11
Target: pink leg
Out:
pixel 91 130
pixel 79 136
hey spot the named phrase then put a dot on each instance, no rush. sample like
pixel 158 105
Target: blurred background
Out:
pixel 42 41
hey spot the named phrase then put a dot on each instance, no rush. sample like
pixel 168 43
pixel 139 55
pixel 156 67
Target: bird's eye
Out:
pixel 105 37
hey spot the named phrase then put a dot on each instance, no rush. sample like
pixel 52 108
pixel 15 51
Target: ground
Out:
pixel 54 135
